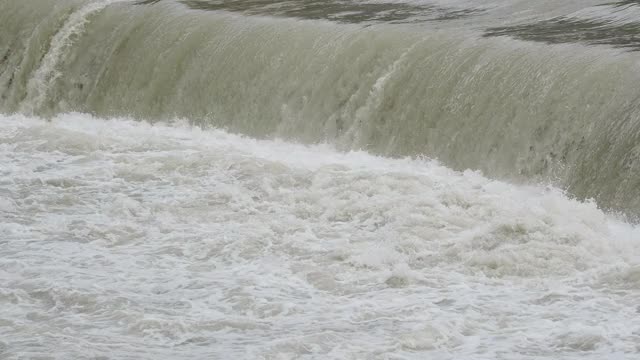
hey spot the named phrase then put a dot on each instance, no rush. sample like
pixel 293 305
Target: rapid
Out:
pixel 312 179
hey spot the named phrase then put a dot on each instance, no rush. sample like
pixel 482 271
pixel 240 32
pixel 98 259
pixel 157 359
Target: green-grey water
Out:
pixel 307 179
pixel 443 81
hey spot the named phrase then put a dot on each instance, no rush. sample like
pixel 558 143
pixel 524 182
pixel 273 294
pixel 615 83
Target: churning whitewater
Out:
pixel 319 179
pixel 126 240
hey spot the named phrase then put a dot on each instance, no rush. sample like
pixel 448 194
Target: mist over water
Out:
pixel 319 179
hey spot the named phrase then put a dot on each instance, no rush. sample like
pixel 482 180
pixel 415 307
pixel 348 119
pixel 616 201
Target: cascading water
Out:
pixel 566 114
pixel 319 179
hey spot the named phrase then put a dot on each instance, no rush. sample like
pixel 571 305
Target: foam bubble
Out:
pixel 158 237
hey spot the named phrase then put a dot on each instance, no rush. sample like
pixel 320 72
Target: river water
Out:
pixel 312 179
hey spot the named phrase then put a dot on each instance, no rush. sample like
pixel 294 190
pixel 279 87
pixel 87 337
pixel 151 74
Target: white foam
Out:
pixel 124 239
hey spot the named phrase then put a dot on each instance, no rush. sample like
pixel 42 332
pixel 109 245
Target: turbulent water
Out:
pixel 338 179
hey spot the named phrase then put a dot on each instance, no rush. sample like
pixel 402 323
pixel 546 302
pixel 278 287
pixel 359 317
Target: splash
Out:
pixel 47 73
pixel 152 241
